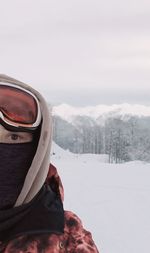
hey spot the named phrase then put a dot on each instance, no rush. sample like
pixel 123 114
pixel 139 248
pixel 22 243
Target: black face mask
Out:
pixel 15 160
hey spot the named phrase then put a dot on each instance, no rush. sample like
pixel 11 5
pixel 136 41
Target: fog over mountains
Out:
pixel 67 112
pixel 121 131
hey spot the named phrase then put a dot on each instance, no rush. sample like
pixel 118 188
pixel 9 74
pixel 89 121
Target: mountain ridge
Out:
pixel 68 112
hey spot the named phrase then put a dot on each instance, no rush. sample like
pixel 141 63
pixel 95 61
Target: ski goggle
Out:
pixel 19 107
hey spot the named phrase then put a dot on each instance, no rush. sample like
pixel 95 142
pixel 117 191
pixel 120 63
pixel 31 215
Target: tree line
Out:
pixel 122 139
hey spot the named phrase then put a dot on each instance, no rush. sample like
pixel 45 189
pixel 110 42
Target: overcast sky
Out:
pixel 82 52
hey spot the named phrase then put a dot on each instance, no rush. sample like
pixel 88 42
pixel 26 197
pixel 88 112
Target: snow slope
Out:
pixel 112 200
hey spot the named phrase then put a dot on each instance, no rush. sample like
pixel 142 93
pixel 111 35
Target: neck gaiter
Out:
pixel 15 160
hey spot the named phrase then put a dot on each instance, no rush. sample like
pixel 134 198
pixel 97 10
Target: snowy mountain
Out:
pixel 102 112
pixel 121 131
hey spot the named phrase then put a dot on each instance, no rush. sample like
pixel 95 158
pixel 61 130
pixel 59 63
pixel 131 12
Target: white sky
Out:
pixel 82 52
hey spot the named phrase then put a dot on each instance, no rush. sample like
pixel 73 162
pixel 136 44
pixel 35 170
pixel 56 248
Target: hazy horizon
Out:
pixel 94 97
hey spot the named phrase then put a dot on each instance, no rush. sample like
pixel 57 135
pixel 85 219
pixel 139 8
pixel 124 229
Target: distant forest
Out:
pixel 122 139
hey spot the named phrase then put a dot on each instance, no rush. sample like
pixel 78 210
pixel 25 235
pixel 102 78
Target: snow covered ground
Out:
pixel 113 200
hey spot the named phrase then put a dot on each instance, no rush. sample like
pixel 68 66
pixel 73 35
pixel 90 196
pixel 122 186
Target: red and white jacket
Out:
pixel 75 238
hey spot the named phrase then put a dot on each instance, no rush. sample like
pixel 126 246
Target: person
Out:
pixel 32 217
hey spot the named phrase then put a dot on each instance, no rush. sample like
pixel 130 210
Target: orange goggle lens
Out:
pixel 18 107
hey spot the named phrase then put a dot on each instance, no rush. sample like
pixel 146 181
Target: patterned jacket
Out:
pixel 75 238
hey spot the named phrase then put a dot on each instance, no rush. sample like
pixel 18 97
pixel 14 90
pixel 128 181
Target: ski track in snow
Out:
pixel 113 200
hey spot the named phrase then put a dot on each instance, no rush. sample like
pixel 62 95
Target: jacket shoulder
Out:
pixel 75 239
pixel 80 240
